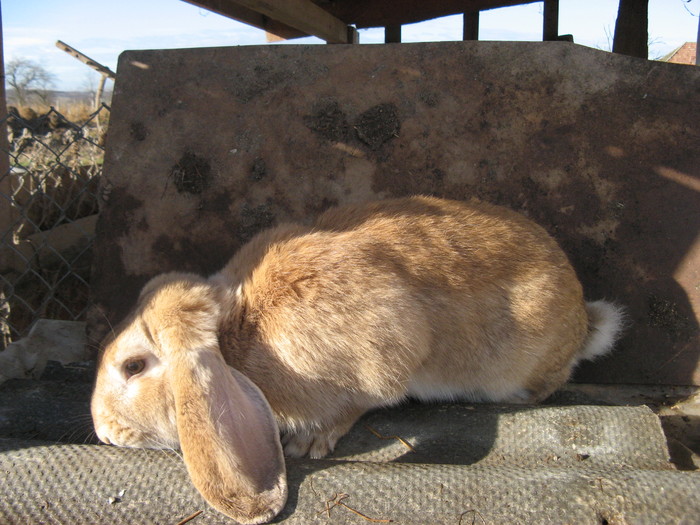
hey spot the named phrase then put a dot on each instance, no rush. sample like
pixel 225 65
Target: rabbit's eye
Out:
pixel 133 367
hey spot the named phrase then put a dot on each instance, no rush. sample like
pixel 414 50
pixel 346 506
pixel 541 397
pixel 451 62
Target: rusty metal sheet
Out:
pixel 208 146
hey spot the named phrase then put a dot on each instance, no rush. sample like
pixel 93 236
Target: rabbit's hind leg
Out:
pixel 538 389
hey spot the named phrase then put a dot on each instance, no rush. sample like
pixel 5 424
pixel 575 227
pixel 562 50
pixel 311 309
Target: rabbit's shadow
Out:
pixel 417 433
pixel 455 434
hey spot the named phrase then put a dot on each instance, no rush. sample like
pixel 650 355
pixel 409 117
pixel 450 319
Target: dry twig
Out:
pixel 474 514
pixel 337 500
pixel 403 441
pixel 189 518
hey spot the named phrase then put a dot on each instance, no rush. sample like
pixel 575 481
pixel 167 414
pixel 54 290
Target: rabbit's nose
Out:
pixel 102 435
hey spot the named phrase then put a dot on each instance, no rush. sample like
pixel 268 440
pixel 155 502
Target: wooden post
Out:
pixel 353 35
pixel 470 29
pixel 631 33
pixel 100 90
pixel 550 29
pixel 392 34
pixel 8 212
pixel 697 45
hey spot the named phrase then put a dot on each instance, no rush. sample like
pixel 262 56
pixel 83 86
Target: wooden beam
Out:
pixel 697 46
pixel 392 34
pixel 550 26
pixel 301 15
pixel 373 13
pixel 9 214
pixel 470 30
pixel 230 9
pixel 103 70
pixel 631 28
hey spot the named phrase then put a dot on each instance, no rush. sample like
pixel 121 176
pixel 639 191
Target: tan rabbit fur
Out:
pixel 420 297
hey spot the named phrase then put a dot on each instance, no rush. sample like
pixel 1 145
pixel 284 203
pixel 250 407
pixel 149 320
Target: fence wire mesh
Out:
pixel 48 210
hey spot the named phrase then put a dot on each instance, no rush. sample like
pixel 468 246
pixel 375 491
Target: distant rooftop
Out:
pixel 685 54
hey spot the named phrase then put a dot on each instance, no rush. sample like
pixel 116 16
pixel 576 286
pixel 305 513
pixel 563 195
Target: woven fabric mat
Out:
pixel 415 464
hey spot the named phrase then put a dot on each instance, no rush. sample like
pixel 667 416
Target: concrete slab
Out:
pixel 208 146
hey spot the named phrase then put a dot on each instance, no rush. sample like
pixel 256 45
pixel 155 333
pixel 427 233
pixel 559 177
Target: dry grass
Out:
pixel 76 112
pixel 56 160
pixel 56 157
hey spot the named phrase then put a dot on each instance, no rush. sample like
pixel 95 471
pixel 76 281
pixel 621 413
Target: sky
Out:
pixel 102 29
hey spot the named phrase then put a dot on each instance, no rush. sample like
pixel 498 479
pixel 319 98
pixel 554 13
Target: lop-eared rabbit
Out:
pixel 308 328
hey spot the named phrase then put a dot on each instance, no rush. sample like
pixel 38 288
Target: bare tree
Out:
pixel 29 80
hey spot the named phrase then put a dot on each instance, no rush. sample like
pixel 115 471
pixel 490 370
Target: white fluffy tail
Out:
pixel 605 324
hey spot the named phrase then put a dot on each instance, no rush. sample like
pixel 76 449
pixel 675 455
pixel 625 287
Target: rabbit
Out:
pixel 309 327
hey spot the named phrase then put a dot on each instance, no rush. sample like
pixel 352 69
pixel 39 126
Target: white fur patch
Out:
pixel 606 323
pixel 436 392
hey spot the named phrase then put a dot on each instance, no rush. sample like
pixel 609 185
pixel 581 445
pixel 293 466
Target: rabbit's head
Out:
pixel 162 383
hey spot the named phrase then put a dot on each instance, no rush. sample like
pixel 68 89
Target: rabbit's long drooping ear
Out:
pixel 227 433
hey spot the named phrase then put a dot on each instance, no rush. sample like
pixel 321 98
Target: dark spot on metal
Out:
pixel 438 175
pixel 185 253
pixel 329 121
pixel 138 131
pixel 118 222
pixel 259 170
pixel 429 98
pixel 378 125
pixel 666 314
pixel 163 244
pixel 191 174
pixel 251 84
pixel 219 203
pixel 254 220
pixel 318 206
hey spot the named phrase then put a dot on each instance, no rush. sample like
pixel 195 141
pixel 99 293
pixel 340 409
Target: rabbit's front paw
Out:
pixel 315 445
pixel 320 441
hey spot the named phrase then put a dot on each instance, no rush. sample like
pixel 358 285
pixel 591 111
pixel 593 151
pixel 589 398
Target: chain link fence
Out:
pixel 48 211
